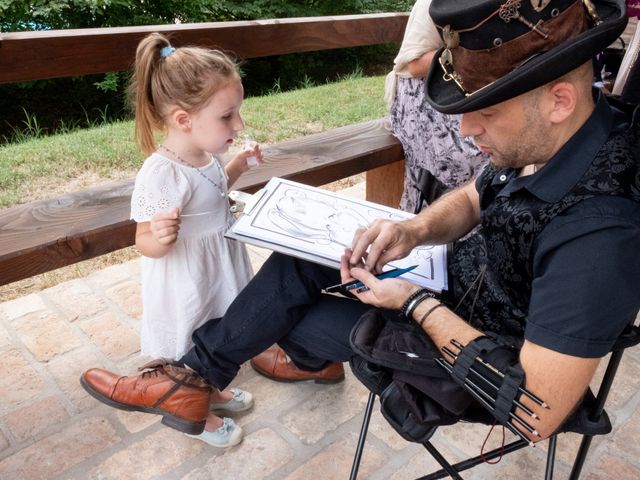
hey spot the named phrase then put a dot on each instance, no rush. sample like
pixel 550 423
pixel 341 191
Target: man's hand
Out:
pixel 385 241
pixel 388 293
pixel 165 226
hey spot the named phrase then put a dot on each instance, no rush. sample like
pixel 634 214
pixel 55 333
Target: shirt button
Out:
pixel 503 177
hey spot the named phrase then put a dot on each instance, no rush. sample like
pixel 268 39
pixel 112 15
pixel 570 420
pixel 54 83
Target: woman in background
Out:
pixel 437 159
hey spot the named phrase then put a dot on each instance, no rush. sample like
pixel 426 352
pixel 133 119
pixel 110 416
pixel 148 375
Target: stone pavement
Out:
pixel 51 429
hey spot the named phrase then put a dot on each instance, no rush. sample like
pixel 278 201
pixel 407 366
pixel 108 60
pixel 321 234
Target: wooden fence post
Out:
pixel 384 184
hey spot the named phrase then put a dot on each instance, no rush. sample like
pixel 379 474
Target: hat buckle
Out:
pixel 446 61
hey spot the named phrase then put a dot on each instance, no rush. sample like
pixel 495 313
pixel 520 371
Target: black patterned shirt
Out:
pixel 559 250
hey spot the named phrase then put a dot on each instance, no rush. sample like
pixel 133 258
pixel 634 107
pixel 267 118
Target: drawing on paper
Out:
pixel 322 224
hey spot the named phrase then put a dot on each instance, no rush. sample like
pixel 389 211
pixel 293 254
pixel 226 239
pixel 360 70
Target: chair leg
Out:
pixel 363 436
pixel 472 462
pixel 603 393
pixel 581 456
pixel 551 457
pixel 446 466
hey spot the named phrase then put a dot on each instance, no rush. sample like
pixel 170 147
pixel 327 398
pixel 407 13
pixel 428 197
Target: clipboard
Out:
pixel 317 225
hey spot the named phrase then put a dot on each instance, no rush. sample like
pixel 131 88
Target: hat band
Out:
pixel 474 69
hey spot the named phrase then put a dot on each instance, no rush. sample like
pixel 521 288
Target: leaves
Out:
pixel 64 14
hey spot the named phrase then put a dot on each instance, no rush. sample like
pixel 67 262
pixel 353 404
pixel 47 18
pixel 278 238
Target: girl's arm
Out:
pixel 238 164
pixel 155 238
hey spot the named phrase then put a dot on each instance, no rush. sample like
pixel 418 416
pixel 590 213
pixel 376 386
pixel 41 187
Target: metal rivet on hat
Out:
pixel 451 37
pixel 497 42
pixel 503 177
pixel 555 12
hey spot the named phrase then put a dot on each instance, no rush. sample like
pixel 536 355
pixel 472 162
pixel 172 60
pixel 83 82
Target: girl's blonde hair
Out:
pixel 165 78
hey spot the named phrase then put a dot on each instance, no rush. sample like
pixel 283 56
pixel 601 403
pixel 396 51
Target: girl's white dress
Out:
pixel 203 271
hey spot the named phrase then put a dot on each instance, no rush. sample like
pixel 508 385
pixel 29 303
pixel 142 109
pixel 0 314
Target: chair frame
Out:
pixel 629 338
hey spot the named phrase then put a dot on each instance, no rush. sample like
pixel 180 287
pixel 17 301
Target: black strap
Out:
pixel 466 359
pixel 508 391
pixel 508 381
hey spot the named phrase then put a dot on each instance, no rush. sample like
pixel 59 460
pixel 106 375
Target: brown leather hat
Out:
pixel 495 50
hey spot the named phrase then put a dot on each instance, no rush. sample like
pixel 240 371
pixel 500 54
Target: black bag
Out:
pixel 394 359
pixel 429 187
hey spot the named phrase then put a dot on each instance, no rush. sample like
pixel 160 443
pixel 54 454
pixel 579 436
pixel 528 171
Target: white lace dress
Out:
pixel 203 272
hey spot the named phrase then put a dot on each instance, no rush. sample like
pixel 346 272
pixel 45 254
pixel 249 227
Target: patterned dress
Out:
pixel 430 140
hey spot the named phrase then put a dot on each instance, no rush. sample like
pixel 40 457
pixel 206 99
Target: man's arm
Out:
pixel 449 218
pixel 559 379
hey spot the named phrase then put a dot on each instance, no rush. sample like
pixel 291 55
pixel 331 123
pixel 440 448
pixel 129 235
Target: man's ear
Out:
pixel 564 98
pixel 181 119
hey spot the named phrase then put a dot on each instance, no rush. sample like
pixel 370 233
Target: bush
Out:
pixel 68 103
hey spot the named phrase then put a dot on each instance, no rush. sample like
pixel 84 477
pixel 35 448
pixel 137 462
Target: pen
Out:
pixel 396 272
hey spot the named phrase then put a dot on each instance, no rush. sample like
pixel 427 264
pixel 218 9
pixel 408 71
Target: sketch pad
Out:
pixel 317 225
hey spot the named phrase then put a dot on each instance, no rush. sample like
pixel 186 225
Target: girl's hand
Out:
pixel 165 226
pixel 239 164
pixel 388 293
pixel 254 157
pixel 243 160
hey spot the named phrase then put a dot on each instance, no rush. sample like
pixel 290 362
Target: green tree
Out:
pixel 63 14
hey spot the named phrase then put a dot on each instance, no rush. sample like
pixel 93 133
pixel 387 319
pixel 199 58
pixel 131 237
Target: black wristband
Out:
pixel 430 311
pixel 414 300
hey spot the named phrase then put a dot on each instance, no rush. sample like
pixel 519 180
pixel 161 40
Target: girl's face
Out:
pixel 214 127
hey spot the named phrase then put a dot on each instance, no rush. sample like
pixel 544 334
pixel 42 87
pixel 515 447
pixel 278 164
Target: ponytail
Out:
pixel 165 77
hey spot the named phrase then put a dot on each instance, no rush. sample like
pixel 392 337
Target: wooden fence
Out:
pixel 45 235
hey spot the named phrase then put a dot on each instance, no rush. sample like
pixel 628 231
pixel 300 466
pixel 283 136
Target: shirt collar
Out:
pixel 568 165
pixel 563 171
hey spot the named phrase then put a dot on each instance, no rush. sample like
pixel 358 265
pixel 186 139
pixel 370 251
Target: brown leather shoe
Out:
pixel 180 395
pixel 276 365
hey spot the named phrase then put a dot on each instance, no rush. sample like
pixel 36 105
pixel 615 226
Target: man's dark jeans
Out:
pixel 282 304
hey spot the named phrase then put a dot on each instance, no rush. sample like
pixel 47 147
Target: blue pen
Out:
pixel 396 272
pixel 388 274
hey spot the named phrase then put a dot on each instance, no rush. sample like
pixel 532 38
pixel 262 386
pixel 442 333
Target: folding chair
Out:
pixel 630 337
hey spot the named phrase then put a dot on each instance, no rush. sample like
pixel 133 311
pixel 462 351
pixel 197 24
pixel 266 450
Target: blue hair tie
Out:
pixel 166 51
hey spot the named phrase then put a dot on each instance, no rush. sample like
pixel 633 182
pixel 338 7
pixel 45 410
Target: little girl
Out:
pixel 190 272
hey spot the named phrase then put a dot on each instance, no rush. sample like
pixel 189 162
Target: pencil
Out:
pixel 353 284
pixel 524 391
pixel 491 384
pixel 509 426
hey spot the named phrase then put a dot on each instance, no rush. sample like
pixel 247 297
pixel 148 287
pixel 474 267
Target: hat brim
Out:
pixel 446 97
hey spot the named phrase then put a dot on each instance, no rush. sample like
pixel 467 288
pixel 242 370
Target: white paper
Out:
pixel 318 225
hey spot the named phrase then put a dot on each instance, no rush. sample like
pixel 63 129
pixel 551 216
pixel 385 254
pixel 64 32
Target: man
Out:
pixel 553 264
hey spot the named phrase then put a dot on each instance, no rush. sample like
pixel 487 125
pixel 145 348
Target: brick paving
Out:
pixel 51 429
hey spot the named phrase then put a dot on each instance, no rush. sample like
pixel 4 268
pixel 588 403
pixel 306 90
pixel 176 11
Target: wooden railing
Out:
pixel 41 236
pixel 63 53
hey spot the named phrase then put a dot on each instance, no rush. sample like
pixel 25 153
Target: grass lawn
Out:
pixel 46 167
